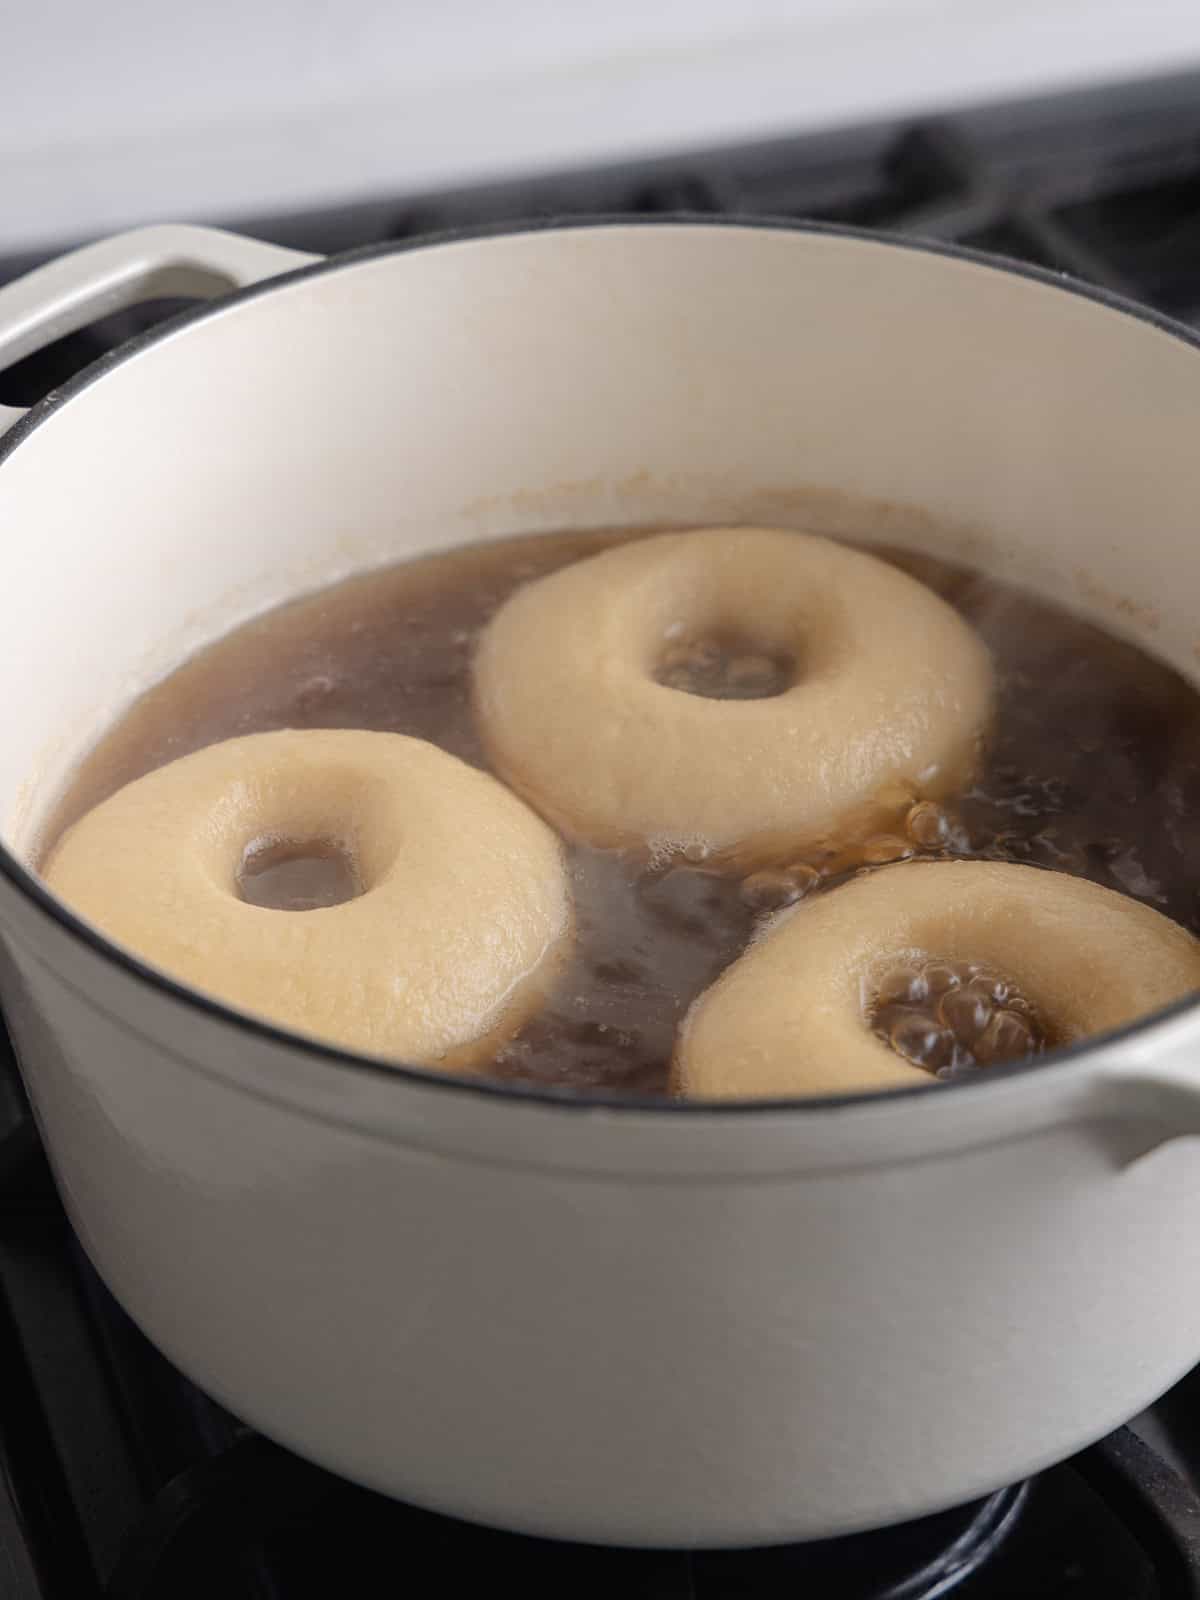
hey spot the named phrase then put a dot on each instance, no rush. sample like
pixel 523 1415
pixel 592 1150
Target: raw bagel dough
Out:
pixel 891 688
pixel 791 1016
pixel 464 904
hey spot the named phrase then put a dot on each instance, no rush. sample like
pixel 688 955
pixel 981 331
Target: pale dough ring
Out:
pixel 790 1017
pixel 464 908
pixel 892 688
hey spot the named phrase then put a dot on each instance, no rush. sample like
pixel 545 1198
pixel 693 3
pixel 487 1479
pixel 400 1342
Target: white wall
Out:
pixel 118 110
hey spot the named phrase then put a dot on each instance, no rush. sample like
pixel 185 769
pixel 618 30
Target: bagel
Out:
pixel 865 689
pixel 793 1016
pixel 463 905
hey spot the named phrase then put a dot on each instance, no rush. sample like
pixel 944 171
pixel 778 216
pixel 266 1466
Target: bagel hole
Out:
pixel 295 875
pixel 725 664
pixel 953 1017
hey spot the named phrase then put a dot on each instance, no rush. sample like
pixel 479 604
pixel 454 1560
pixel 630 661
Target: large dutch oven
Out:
pixel 624 1322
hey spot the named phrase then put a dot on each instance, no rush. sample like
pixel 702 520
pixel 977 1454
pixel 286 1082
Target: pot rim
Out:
pixel 27 884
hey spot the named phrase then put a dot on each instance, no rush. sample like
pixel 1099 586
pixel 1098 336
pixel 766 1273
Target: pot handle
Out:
pixel 1152 1102
pixel 169 259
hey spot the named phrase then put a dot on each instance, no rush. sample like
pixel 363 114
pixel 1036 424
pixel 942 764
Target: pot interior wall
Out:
pixel 588 376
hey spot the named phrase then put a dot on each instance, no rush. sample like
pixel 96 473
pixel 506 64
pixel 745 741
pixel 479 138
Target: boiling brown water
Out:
pixel 952 1017
pixel 301 875
pixel 1093 768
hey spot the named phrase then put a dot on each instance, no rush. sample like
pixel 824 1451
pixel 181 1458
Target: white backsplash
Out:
pixel 133 109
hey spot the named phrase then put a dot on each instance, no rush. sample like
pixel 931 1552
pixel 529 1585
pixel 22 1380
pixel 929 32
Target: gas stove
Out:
pixel 121 1480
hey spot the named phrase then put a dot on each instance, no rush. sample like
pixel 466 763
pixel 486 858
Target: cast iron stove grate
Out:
pixel 120 1480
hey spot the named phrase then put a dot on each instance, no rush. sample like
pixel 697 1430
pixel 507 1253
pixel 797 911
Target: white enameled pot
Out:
pixel 633 1323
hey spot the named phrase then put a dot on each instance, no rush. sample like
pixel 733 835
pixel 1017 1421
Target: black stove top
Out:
pixel 121 1480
